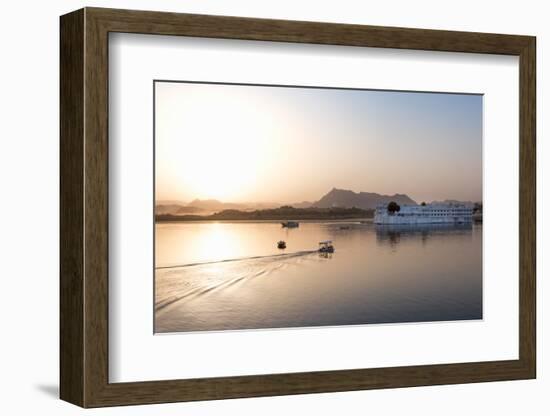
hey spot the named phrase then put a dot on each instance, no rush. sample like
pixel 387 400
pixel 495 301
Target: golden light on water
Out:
pixel 204 242
pixel 215 243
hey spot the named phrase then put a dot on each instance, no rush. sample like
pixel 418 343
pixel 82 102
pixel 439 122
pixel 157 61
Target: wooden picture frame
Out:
pixel 84 207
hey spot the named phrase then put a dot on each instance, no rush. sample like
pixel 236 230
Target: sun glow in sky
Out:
pixel 241 143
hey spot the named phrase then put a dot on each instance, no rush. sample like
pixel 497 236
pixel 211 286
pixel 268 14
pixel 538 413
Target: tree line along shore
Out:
pixel 282 213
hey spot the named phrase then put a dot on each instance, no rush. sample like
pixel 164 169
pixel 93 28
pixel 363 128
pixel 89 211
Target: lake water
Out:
pixel 230 275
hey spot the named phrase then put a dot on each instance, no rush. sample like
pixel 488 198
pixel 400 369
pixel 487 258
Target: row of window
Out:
pixel 436 212
pixel 427 215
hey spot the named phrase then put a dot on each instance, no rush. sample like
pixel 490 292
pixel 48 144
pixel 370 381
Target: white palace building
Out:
pixel 424 214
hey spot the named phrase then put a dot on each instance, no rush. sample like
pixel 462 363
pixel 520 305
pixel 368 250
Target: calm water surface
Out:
pixel 230 275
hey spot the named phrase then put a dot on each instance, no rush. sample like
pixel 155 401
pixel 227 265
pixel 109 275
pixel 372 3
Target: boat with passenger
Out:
pixel 326 246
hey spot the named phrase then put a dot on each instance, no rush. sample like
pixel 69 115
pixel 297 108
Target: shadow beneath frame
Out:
pixel 51 390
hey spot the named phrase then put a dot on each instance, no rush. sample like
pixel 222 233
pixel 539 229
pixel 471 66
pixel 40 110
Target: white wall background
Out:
pixel 29 159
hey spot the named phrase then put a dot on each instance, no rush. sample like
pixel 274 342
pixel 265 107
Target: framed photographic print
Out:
pixel 255 207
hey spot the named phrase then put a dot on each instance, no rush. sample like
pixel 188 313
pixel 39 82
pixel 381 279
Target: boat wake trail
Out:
pixel 283 255
pixel 185 282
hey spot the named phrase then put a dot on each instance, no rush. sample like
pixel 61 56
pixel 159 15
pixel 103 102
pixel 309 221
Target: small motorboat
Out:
pixel 326 247
pixel 290 224
pixel 281 244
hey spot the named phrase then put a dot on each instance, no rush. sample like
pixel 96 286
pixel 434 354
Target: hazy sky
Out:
pixel 240 143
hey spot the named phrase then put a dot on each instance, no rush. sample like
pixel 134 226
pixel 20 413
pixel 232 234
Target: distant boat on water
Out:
pixel 281 244
pixel 290 224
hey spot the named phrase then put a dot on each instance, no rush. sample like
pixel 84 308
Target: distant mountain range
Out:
pixel 343 198
pixel 335 198
pixel 303 204
pixel 215 205
pixel 167 208
pixel 207 207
